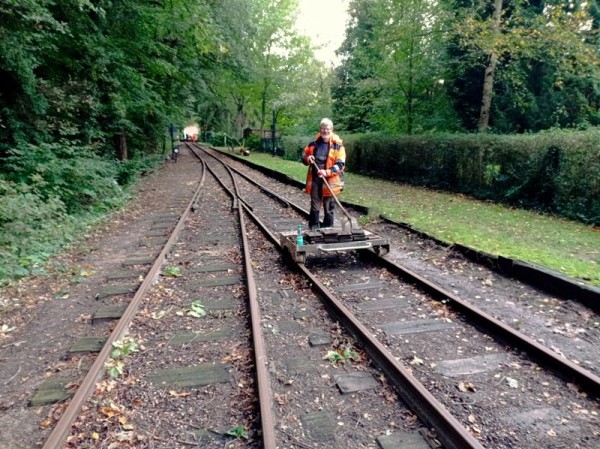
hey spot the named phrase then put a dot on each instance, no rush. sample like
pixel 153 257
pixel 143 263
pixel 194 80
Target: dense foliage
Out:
pixel 506 66
pixel 90 89
pixel 557 172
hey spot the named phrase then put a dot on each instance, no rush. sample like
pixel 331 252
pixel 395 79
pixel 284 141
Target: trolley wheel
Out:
pixel 381 250
pixel 293 258
pixel 300 258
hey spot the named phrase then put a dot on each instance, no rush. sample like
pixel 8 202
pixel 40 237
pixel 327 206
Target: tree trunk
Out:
pixel 263 106
pixel 488 79
pixel 410 100
pixel 240 116
pixel 121 145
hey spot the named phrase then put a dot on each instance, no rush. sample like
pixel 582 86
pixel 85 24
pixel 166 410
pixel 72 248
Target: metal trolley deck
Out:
pixel 329 240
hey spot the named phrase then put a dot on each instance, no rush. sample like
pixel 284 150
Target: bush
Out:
pixel 128 171
pixel 31 228
pixel 294 147
pixel 74 175
pixel 557 172
pixel 252 142
pixel 48 193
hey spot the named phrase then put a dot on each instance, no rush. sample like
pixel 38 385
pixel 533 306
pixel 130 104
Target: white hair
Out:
pixel 326 122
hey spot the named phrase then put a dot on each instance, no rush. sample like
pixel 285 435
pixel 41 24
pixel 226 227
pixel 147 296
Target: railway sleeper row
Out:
pixel 299 337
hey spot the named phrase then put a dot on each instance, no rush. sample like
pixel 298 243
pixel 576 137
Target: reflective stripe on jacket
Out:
pixel 335 162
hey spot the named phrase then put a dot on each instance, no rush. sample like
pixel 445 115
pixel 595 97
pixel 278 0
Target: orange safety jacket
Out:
pixel 335 164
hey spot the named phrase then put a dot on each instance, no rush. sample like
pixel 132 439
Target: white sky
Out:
pixel 324 21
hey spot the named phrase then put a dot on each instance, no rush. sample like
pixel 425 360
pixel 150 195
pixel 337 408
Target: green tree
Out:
pixel 28 31
pixel 267 69
pixel 411 72
pixel 393 72
pixel 354 92
pixel 535 62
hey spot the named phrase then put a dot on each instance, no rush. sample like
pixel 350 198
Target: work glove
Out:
pixel 310 159
pixel 323 173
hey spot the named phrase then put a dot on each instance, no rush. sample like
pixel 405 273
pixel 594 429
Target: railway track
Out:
pixel 382 307
pixel 233 345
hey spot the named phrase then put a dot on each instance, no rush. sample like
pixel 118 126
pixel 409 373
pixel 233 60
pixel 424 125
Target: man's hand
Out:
pixel 311 159
pixel 323 173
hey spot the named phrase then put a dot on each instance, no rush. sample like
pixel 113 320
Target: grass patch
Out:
pixel 565 246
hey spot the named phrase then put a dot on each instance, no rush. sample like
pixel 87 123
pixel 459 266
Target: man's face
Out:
pixel 326 132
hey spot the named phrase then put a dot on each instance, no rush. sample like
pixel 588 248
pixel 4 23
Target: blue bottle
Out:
pixel 299 236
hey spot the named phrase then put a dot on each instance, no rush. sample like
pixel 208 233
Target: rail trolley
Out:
pixel 329 240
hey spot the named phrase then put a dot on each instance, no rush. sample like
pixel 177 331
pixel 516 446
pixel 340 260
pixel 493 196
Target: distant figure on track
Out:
pixel 326 159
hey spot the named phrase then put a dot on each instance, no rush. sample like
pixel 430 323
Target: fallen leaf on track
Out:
pixel 184 394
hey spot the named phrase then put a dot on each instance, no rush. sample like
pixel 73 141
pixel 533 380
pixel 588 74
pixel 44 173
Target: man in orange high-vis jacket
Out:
pixel 329 155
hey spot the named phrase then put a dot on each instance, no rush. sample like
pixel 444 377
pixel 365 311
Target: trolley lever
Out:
pixel 348 216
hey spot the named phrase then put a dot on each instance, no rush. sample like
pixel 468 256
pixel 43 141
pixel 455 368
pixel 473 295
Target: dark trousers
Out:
pixel 316 200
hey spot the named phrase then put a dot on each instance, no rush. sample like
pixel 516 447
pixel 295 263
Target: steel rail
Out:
pixel 232 194
pixel 88 385
pixel 235 193
pixel 236 199
pixel 450 431
pixel 263 380
pixel 270 192
pixel 568 370
pixel 545 356
pixel 564 367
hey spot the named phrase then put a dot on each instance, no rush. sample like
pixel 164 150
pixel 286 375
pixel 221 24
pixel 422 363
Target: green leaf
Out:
pixel 197 310
pixel 238 432
pixel 172 271
pixel 341 355
pixel 333 356
pixel 123 347
pixel 114 368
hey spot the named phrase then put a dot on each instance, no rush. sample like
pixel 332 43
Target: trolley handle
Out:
pixel 334 197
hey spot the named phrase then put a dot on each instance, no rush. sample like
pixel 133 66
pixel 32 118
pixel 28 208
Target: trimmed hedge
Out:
pixel 555 171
